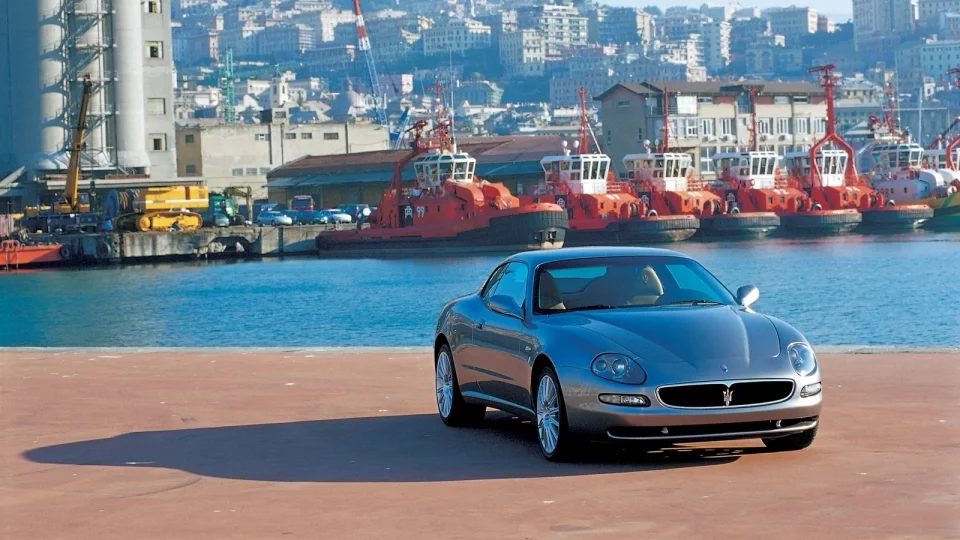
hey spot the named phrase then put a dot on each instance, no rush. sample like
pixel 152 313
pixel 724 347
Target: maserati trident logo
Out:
pixel 727 397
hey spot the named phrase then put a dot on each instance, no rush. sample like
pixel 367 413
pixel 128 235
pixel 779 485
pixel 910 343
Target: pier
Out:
pixel 291 443
pixel 226 242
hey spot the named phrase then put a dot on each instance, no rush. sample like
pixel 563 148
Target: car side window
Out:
pixel 491 285
pixel 513 283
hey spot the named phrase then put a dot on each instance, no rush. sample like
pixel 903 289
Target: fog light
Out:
pixel 810 390
pixel 625 400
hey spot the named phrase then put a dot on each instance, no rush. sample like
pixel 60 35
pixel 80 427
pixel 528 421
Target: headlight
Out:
pixel 618 368
pixel 802 358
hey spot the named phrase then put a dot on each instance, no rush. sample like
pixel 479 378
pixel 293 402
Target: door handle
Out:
pixel 479 324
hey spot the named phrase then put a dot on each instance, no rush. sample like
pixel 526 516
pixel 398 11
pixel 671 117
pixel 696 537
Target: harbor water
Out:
pixel 847 290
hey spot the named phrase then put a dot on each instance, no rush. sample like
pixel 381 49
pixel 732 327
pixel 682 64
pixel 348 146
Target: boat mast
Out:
pixel 753 145
pixel 829 82
pixel 584 125
pixel 665 144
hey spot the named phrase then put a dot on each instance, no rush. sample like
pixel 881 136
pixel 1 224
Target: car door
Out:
pixel 472 314
pixel 500 341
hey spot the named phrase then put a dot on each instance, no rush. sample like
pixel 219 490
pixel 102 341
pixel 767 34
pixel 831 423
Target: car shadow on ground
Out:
pixel 407 448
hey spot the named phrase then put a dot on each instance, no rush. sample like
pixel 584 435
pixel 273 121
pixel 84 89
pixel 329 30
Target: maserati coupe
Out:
pixel 629 344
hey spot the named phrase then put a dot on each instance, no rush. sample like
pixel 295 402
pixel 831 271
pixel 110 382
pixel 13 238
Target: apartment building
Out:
pixel 328 22
pixel 710 117
pixel 931 58
pixel 562 27
pixel 623 25
pixel 930 10
pixel 597 75
pixel 716 45
pixel 456 35
pixel 792 22
pixel 285 40
pixel 522 53
pixel 879 21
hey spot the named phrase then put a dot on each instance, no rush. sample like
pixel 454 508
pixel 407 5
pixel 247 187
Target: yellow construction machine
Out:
pixel 162 208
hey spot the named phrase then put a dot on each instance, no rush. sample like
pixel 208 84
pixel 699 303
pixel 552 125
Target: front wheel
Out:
pixel 454 411
pixel 791 442
pixel 556 441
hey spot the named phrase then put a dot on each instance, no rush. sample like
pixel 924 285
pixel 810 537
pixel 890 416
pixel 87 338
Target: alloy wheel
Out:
pixel 444 384
pixel 548 414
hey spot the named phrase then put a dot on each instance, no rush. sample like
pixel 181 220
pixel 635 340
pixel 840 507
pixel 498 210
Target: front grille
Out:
pixel 710 395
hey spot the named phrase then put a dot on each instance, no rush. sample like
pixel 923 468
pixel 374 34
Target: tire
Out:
pixel 565 446
pixel 790 443
pixel 453 410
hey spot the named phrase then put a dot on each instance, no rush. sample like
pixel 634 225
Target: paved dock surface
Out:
pixel 299 444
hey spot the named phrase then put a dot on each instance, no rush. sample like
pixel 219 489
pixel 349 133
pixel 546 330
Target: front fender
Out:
pixel 569 346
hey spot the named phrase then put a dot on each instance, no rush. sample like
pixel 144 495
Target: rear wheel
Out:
pixel 791 442
pixel 556 441
pixel 454 411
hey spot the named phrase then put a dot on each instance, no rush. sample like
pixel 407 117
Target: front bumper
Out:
pixel 587 416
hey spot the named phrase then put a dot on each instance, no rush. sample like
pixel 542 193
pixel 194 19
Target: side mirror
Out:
pixel 747 295
pixel 506 305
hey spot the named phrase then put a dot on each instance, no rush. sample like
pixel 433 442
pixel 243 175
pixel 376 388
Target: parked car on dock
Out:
pixel 292 214
pixel 334 215
pixel 273 218
pixel 625 344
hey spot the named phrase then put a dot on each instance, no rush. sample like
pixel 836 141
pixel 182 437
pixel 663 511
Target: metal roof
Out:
pixel 496 156
pixel 716 87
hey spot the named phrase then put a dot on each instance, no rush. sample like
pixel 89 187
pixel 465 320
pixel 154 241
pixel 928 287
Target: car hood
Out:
pixel 725 341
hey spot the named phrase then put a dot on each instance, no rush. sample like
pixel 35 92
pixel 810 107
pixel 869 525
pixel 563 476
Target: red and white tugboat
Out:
pixel 752 182
pixel 601 209
pixel 829 176
pixel 448 209
pixel 667 181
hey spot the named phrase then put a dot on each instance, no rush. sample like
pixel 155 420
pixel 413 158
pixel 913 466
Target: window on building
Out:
pixel 331 136
pixel 306 135
pixel 261 137
pixel 726 126
pixel 764 126
pixel 819 126
pixel 783 126
pixel 154 49
pixel 705 100
pixel 766 148
pixel 691 127
pixel 156 106
pixel 708 126
pixel 264 170
pixel 781 100
pixel 802 126
pixel 706 153
pixel 188 139
pixel 237 172
pixel 289 135
pixel 152 6
pixel 625 103
pixel 190 169
pixel 252 171
pixel 801 99
pixel 158 142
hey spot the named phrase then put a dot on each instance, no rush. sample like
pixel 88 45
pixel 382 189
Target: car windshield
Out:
pixel 626 282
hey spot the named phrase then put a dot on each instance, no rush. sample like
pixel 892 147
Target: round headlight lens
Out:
pixel 802 358
pixel 618 368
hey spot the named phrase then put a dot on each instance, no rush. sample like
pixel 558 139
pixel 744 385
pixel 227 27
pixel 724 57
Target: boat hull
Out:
pixel 648 230
pixel 895 217
pixel 946 213
pixel 15 255
pixel 820 222
pixel 744 225
pixel 513 232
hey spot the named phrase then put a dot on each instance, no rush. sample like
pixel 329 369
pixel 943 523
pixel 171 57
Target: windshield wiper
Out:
pixel 595 306
pixel 693 303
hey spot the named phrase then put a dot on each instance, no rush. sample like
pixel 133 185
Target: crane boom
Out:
pixel 363 43
pixel 71 192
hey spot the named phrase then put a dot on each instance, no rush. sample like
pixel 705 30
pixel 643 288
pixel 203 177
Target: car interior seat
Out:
pixel 648 288
pixel 550 296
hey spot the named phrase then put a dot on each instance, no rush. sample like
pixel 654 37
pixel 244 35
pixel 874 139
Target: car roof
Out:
pixel 536 258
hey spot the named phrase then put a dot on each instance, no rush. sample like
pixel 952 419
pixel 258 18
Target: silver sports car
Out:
pixel 631 344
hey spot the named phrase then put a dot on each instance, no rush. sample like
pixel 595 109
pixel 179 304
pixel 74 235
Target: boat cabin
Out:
pixel 832 165
pixel 665 171
pixel 937 159
pixel 581 173
pixel 755 170
pixel 436 167
pixel 895 159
